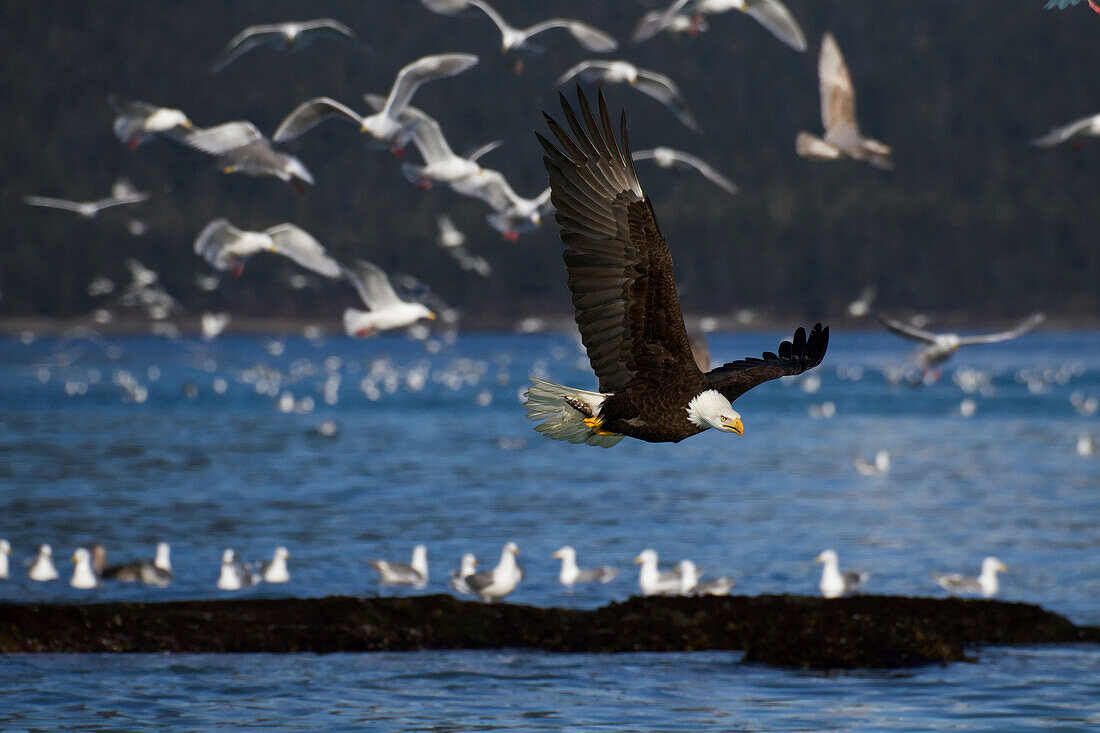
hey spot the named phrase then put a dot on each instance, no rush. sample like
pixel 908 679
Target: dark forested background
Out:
pixel 972 221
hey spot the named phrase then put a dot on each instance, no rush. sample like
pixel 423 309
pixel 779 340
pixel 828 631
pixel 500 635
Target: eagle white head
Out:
pixel 711 410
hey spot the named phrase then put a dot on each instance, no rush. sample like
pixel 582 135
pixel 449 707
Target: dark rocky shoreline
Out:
pixel 787 631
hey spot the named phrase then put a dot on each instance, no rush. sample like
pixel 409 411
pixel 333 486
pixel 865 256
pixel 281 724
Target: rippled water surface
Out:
pixel 127 441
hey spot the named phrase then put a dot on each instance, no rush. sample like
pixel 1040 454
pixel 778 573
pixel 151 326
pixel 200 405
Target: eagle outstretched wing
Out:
pixel 795 356
pixel 619 266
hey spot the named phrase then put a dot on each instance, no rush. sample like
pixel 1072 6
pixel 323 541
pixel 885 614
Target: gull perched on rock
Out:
pixel 122 193
pixel 679 160
pixel 241 148
pixel 650 83
pixel 940 346
pixel 83 575
pixel 772 14
pixel 570 574
pixel 157 571
pixel 139 121
pixel 275 570
pixel 387 309
pixel 287 36
pixel 986 583
pixel 400 573
pixel 42 568
pixel 834 583
pixel 652 581
pixel 226 247
pixel 691 585
pixel 1084 127
pixel 387 126
pixel 5 555
pixel 517 39
pixel 467 567
pixel 838 115
pixel 494 584
pixel 234 575
pixel 880 467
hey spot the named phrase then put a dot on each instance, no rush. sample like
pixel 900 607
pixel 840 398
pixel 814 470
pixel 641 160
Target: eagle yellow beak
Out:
pixel 737 427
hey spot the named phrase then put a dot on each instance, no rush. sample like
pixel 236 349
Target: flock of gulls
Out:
pixel 91 569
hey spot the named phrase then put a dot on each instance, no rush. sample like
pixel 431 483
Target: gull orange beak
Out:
pixel 431 316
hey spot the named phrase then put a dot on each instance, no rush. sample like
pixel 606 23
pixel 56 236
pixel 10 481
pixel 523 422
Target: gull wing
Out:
pixel 906 331
pixel 498 20
pixel 689 160
pixel 774 15
pixel 425 69
pixel 309 114
pixel 54 203
pixel 581 68
pixel 814 148
pixel 245 41
pixel 131 107
pixel 490 186
pixel 372 284
pixel 446 7
pixel 477 152
pixel 1060 4
pixel 663 89
pixel 220 139
pixel 799 354
pixel 656 21
pixel 297 244
pixel 838 97
pixel 328 26
pixel 214 237
pixel 619 265
pixel 992 338
pixel 130 197
pixel 1061 134
pixel 589 37
pixel 427 136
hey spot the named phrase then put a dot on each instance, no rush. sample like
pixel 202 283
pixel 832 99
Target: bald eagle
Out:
pixel 624 296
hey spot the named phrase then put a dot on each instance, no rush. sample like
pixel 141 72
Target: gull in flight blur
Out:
pixel 494 584
pixel 653 581
pixel 651 83
pixel 940 346
pixel 986 583
pixel 454 243
pixel 838 115
pixel 287 36
pixel 517 39
pixel 679 160
pixel 861 306
pixel 570 574
pixel 835 584
pixel 676 18
pixel 226 247
pixel 139 121
pixel 387 309
pixel 512 214
pixel 1063 4
pixel 121 193
pixel 441 164
pixel 1084 127
pixel 387 126
pixel 772 14
pixel 241 148
pixel 400 573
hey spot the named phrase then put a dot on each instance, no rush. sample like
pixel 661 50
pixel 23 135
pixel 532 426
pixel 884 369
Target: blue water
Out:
pixel 432 447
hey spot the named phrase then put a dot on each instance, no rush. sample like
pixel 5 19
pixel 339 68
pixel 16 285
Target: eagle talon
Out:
pixel 595 424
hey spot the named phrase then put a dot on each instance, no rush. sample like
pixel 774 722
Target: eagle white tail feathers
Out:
pixel 547 403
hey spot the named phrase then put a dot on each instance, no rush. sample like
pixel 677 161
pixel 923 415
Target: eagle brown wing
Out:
pixel 619 266
pixel 794 357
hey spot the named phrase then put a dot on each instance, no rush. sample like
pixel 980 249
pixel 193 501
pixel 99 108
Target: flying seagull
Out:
pixel 241 148
pixel 676 18
pixel 494 584
pixel 1063 4
pixel 400 573
pixel 772 14
pixel 226 247
pixel 286 36
pixel 650 83
pixel 986 583
pixel 517 39
pixel 122 193
pixel 387 309
pixel 835 584
pixel 1084 127
pixel 679 160
pixel 453 243
pixel 627 309
pixel 138 121
pixel 512 214
pixel 157 571
pixel 386 126
pixel 441 164
pixel 570 574
pixel 940 346
pixel 838 115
